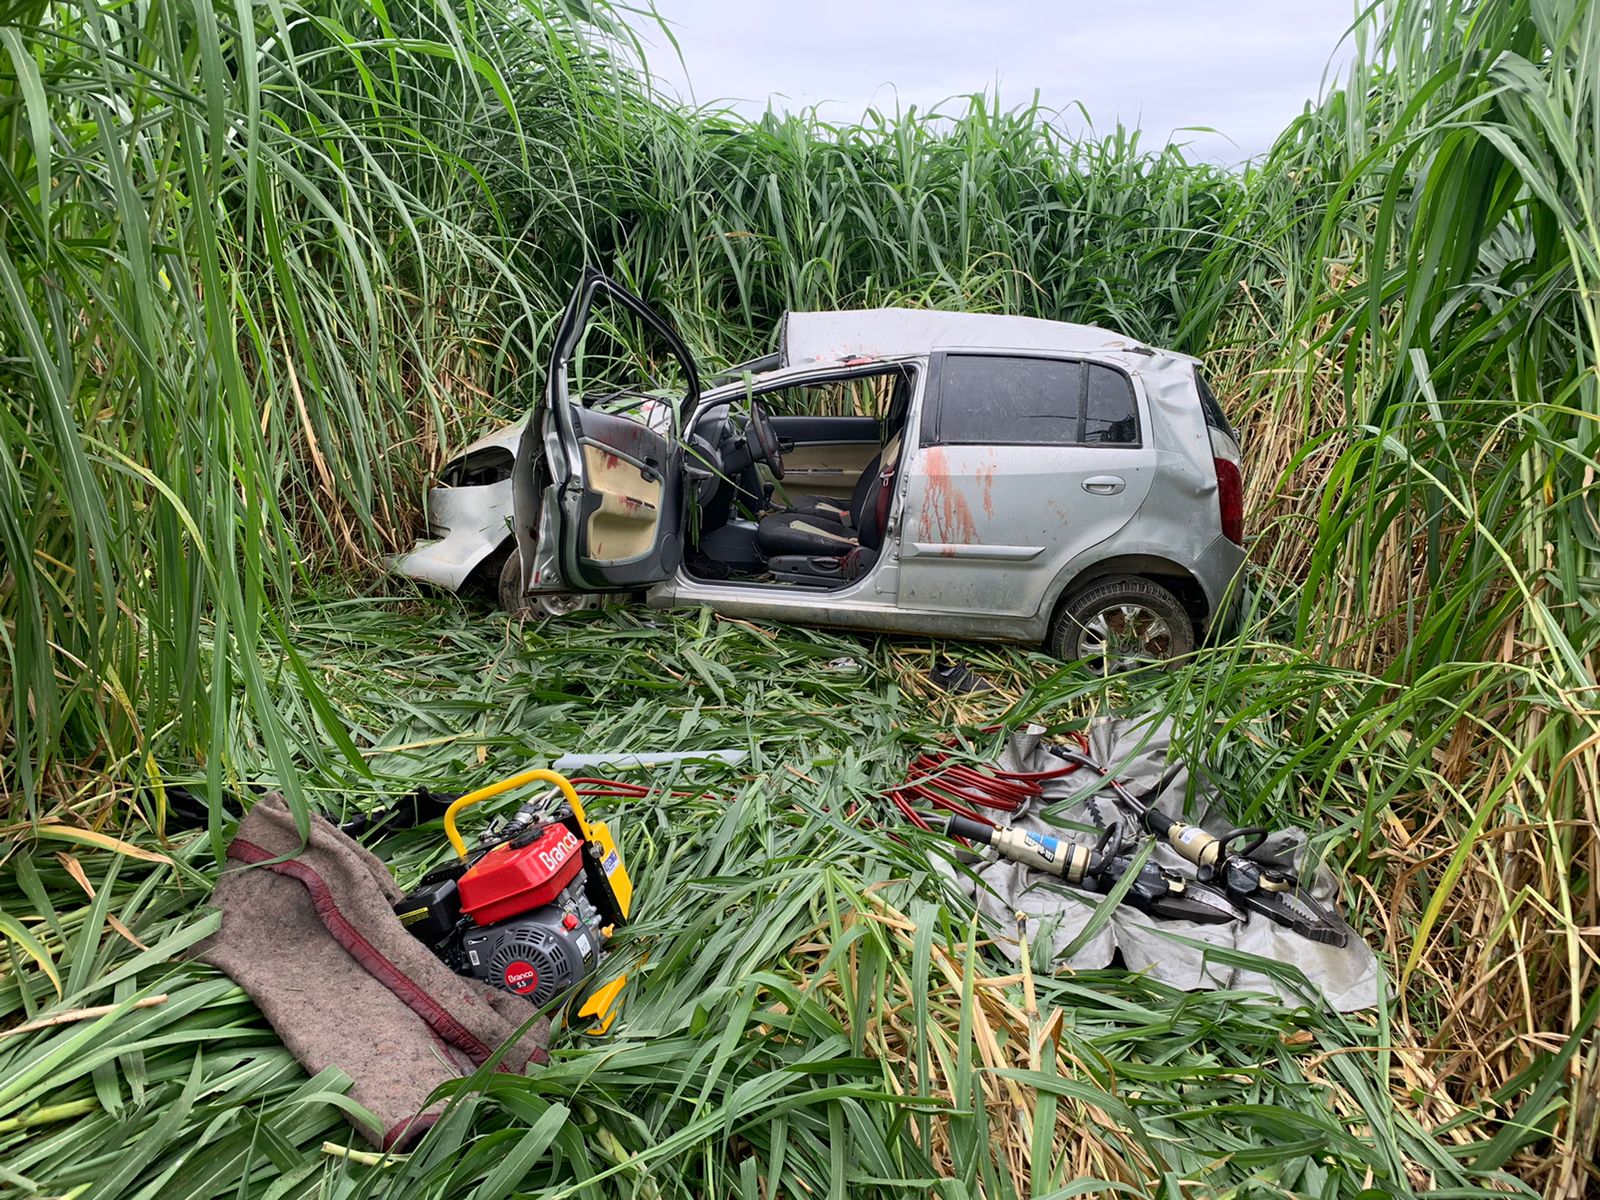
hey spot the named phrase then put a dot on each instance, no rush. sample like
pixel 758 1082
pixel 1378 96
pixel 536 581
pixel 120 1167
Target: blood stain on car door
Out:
pixel 1025 463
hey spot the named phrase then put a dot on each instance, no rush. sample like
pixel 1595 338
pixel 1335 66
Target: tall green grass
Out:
pixel 253 275
pixel 1438 382
pixel 258 274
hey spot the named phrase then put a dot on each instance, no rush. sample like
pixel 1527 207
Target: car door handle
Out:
pixel 1104 485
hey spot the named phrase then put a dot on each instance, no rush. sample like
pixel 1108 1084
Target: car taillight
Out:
pixel 1230 499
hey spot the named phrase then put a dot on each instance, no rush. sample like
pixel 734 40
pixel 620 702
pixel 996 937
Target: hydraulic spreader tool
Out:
pixel 1223 860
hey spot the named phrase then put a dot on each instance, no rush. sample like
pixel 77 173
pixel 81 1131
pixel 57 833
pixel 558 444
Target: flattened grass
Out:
pixel 810 1014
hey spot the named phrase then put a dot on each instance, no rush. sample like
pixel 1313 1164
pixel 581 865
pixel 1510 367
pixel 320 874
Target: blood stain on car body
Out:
pixel 986 484
pixel 945 516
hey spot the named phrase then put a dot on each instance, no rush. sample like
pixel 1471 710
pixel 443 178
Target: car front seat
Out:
pixel 801 535
pixel 838 511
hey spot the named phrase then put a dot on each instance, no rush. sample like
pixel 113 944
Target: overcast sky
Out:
pixel 1242 67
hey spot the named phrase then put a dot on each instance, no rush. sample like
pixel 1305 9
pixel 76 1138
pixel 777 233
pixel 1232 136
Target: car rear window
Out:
pixel 993 399
pixel 1110 416
pixel 1215 417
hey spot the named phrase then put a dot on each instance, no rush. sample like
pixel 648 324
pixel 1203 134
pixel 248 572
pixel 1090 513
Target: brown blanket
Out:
pixel 315 942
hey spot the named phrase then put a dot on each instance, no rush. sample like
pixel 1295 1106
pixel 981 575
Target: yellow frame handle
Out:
pixel 538 775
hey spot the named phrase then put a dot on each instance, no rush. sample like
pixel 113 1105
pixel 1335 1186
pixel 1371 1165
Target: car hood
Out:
pixel 506 438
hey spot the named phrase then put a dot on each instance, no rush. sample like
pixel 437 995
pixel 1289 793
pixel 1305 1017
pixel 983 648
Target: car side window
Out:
pixel 987 399
pixel 992 400
pixel 1110 415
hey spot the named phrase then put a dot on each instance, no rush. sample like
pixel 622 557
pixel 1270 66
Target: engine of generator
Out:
pixel 530 910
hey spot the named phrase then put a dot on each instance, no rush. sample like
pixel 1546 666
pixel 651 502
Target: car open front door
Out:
pixel 611 482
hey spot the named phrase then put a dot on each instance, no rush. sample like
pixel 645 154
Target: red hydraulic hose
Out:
pixel 937 778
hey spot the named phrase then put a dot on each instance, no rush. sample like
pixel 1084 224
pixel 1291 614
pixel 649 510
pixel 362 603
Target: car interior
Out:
pixel 784 494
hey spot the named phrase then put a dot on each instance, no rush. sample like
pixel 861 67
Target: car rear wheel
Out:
pixel 1121 623
pixel 540 604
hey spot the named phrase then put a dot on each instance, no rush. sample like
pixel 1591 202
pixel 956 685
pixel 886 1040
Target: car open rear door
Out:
pixel 611 482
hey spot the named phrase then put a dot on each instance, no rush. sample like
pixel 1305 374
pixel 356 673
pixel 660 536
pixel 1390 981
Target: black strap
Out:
pixel 187 809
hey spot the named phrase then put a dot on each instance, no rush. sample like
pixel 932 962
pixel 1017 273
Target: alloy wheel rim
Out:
pixel 1126 635
pixel 560 604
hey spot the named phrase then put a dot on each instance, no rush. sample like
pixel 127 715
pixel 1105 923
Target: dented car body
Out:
pixel 1007 478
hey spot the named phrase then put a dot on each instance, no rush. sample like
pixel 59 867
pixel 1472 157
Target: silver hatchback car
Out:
pixel 961 474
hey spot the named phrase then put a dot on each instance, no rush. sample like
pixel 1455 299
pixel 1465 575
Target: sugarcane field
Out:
pixel 719 600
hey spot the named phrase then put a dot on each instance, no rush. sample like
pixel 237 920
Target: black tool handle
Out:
pixel 966 827
pixel 1251 838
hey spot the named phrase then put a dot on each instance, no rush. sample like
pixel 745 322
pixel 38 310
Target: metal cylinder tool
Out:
pixel 1100 868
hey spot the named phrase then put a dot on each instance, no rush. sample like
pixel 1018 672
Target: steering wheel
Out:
pixel 765 439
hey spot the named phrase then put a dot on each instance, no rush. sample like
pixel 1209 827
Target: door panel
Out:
pixel 627 515
pixel 824 456
pixel 987 529
pixel 829 469
pixel 622 513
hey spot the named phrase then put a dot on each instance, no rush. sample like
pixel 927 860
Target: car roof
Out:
pixel 809 340
pixel 868 337
pixel 816 337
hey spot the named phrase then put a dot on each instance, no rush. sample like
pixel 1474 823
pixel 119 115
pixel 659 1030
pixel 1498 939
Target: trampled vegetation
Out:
pixel 262 263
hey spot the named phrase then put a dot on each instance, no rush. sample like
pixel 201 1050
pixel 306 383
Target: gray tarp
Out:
pixel 1176 952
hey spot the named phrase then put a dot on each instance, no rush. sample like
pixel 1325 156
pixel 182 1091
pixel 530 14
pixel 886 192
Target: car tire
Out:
pixel 539 604
pixel 510 593
pixel 1138 621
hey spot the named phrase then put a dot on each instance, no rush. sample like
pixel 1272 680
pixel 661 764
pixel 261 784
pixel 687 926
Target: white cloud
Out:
pixel 1241 67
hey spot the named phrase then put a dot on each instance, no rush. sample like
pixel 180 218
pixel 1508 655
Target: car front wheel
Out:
pixel 1120 623
pixel 537 604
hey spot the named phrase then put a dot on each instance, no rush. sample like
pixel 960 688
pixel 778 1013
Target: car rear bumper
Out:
pixel 1220 572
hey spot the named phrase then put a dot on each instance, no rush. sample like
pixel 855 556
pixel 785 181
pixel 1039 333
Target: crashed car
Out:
pixel 957 474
